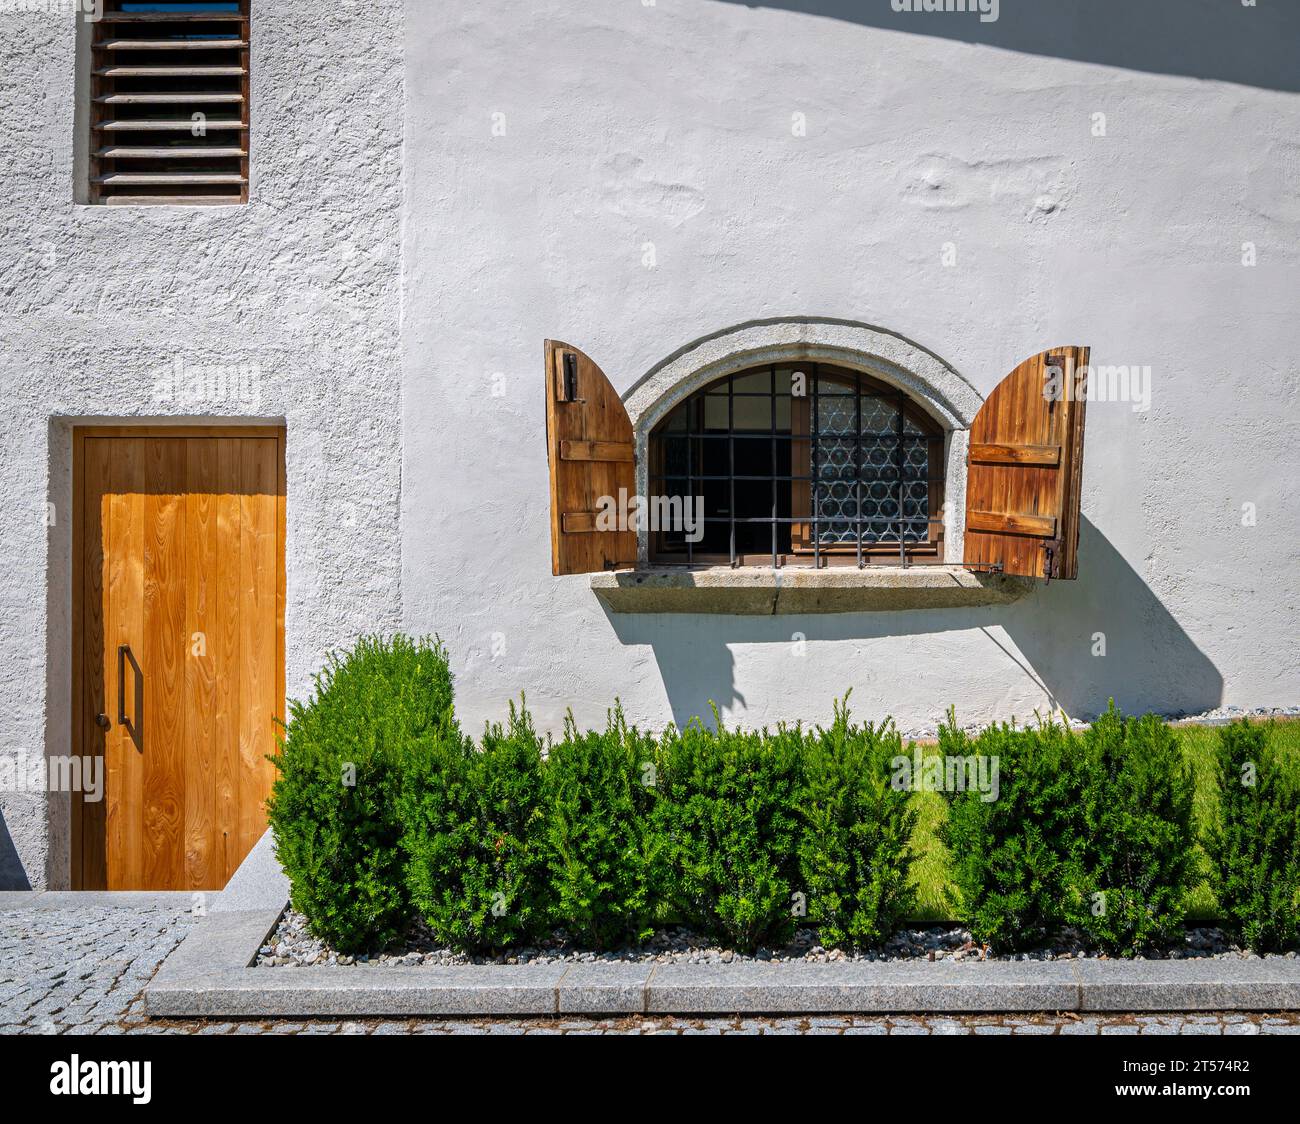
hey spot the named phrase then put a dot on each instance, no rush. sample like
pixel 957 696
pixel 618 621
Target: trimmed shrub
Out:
pixel 473 822
pixel 855 856
pixel 1018 859
pixel 333 805
pixel 604 857
pixel 729 811
pixel 1141 854
pixel 1256 848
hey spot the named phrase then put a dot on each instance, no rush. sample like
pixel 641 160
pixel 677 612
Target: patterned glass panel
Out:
pixel 879 415
pixel 884 486
pixel 836 472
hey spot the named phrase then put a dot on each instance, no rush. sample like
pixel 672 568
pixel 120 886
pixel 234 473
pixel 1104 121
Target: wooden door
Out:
pixel 1026 469
pixel 179 678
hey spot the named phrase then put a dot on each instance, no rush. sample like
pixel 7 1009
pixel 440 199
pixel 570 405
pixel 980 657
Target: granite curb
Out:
pixel 210 975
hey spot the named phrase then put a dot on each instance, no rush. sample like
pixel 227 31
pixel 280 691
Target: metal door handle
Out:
pixel 103 721
pixel 122 649
pixel 124 656
pixel 135 724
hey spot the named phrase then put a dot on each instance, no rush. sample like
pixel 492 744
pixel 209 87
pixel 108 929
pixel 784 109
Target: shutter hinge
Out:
pixel 569 378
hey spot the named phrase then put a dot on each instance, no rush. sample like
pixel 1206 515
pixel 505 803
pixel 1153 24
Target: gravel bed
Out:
pixel 291 945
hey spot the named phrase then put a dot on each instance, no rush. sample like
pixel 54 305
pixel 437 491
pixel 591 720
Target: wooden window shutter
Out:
pixel 169 120
pixel 590 448
pixel 1026 469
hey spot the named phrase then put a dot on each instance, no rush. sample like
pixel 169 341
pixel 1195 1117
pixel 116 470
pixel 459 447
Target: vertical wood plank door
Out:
pixel 180 661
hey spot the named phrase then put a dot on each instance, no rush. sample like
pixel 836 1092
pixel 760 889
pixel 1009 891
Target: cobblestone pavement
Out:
pixel 82 971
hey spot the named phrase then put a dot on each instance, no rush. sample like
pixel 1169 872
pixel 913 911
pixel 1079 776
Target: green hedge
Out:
pixel 1140 844
pixel 603 854
pixel 1091 831
pixel 473 824
pixel 384 811
pixel 342 760
pixel 729 813
pixel 857 844
pixel 1017 860
pixel 1256 844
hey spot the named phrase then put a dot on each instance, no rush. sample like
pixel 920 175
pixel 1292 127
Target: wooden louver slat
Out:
pixel 174 17
pixel 164 152
pixel 169 44
pixel 171 178
pixel 149 125
pixel 169 71
pixel 174 85
pixel 208 97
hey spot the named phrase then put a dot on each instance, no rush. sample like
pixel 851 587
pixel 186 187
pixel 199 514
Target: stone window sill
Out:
pixel 757 591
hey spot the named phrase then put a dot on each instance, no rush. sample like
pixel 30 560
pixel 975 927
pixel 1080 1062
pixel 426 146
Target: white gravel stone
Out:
pixel 293 945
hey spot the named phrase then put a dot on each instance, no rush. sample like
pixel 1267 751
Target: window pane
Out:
pixel 836 415
pixel 715 412
pixel 916 459
pixel 674 452
pixel 879 415
pixel 753 413
pixel 831 386
pixel 759 382
pixel 677 418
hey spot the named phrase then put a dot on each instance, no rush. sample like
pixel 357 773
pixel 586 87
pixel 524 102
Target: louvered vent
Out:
pixel 169 121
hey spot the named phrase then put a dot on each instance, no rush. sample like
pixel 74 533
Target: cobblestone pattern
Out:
pixel 83 971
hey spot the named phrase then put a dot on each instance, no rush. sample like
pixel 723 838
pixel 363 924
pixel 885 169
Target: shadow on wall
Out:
pixel 1226 41
pixel 1150 663
pixel 12 875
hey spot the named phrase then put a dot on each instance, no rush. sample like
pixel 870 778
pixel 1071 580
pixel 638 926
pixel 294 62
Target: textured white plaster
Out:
pixel 633 134
pixel 552 151
pixel 96 303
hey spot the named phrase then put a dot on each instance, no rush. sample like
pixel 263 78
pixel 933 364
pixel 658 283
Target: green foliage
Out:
pixel 473 824
pixel 382 809
pixel 855 854
pixel 1256 847
pixel 1141 853
pixel 333 806
pixel 604 857
pixel 1019 860
pixel 729 809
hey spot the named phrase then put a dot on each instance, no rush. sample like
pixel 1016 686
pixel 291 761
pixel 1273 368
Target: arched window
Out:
pixel 789 465
pixel 769 445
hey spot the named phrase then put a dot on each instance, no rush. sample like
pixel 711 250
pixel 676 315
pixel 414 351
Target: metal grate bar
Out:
pixel 775 501
pixel 731 463
pixel 814 434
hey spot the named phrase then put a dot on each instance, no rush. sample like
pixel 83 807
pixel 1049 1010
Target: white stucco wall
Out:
pixel 302 286
pixel 624 125
pixel 400 265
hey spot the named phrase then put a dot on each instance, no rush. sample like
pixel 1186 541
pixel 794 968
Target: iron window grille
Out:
pixel 848 472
